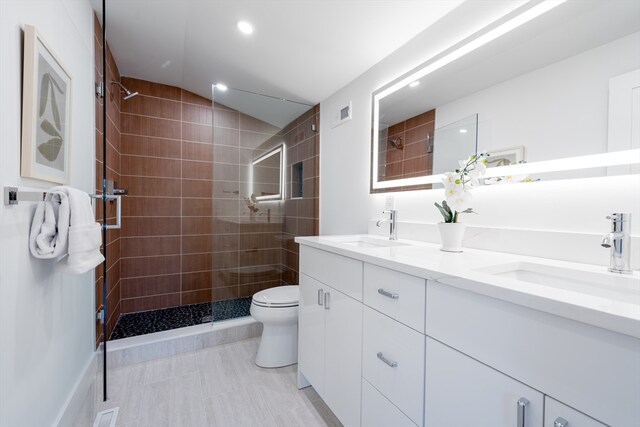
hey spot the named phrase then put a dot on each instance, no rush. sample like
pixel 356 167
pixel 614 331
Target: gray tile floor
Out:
pixel 218 387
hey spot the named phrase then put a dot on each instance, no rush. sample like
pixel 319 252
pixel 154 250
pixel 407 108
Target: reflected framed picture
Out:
pixel 46 112
pixel 506 156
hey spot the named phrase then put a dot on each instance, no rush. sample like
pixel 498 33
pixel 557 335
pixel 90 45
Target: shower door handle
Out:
pixel 118 200
pixel 320 296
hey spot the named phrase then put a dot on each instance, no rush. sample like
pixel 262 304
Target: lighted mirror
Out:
pixel 267 176
pixel 555 86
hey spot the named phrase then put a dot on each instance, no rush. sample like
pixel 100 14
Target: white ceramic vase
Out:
pixel 451 234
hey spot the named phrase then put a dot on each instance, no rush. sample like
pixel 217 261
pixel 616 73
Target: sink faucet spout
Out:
pixel 618 240
pixel 393 226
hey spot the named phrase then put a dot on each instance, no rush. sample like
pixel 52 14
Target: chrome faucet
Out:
pixel 393 225
pixel 618 240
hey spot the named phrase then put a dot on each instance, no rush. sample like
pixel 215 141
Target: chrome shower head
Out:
pixel 130 95
pixel 127 92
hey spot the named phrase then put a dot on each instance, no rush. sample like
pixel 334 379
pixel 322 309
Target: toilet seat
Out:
pixel 278 297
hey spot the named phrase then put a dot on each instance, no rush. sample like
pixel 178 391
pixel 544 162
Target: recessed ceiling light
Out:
pixel 462 131
pixel 245 27
pixel 221 86
pixel 414 84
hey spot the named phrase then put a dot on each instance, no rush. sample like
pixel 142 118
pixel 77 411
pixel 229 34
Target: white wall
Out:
pixel 571 212
pixel 46 317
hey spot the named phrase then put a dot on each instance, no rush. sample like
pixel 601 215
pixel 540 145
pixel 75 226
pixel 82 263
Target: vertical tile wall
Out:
pixel 113 99
pixel 167 168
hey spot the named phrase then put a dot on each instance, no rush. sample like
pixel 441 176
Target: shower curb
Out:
pixel 142 348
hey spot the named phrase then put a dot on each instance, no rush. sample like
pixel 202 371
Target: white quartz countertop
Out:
pixel 608 305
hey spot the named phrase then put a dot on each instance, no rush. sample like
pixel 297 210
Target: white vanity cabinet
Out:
pixel 461 391
pixel 385 348
pixel 330 330
pixel 593 370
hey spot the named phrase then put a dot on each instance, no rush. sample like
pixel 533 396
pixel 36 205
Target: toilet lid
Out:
pixel 279 296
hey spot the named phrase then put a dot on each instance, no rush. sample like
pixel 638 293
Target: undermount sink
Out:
pixel 600 284
pixel 368 242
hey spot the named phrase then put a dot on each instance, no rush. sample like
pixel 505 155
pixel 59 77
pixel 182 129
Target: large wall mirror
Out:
pixel 552 91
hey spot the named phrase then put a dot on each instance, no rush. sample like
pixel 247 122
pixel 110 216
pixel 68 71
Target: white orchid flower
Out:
pixel 459 201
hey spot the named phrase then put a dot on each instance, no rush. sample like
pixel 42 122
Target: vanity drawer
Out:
pixel 398 295
pixel 378 411
pixel 385 343
pixel 341 273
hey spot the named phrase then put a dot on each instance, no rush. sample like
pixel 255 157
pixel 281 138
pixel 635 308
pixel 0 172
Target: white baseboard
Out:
pixel 80 402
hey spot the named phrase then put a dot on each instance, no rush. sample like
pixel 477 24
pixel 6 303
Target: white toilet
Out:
pixel 277 309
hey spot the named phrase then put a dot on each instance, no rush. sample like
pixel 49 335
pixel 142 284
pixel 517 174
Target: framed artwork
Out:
pixel 46 112
pixel 506 156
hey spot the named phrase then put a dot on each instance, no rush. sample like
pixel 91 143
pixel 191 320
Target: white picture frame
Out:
pixel 46 112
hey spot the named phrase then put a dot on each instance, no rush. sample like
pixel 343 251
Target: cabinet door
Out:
pixel 343 357
pixel 557 414
pixel 378 411
pixel 311 332
pixel 461 391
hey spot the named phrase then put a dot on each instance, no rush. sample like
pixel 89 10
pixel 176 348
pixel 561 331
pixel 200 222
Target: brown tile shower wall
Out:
pixel 301 215
pixel 166 159
pixel 113 100
pixel 254 250
pixel 246 244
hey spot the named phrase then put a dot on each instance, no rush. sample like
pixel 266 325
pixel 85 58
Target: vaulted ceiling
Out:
pixel 303 50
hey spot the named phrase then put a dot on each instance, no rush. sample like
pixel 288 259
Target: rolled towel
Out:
pixel 84 248
pixel 49 228
pixel 64 227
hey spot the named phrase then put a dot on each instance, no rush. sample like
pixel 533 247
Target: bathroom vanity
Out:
pixel 398 333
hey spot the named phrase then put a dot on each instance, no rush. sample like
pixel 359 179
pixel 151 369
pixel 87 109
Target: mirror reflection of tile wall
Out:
pixel 253 240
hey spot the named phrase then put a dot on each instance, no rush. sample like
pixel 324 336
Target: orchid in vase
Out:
pixel 458 185
pixel 457 189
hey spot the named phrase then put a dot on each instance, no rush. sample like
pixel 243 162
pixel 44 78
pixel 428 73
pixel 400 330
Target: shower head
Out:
pixel 130 95
pixel 127 92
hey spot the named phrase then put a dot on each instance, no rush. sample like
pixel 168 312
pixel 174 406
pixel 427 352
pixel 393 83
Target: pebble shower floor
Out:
pixel 146 322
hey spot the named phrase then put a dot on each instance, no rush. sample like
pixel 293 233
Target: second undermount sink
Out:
pixel 624 288
pixel 368 242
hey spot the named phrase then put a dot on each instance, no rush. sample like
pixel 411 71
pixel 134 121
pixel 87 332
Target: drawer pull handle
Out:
pixel 387 361
pixel 522 402
pixel 320 296
pixel 560 422
pixel 391 295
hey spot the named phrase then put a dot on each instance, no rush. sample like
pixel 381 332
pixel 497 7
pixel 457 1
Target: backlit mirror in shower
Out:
pixel 266 175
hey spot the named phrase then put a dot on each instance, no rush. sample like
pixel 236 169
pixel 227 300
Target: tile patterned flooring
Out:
pixel 218 386
pixel 146 322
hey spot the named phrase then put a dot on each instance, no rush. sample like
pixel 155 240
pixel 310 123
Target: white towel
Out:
pixel 64 228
